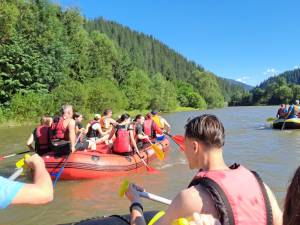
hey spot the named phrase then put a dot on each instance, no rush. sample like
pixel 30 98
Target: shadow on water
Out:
pixel 274 154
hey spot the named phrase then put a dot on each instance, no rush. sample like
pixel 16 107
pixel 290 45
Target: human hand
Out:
pixel 204 219
pixel 73 149
pixel 35 161
pixel 132 193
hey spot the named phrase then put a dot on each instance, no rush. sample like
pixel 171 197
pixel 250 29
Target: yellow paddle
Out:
pixel 158 151
pixel 125 185
pixel 20 168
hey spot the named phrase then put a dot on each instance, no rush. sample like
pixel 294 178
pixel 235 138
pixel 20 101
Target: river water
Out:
pixel 274 154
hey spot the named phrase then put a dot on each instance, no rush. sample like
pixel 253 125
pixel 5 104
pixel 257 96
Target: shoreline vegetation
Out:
pixel 89 116
pixel 50 56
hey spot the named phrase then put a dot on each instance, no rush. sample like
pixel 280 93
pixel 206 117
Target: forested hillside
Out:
pixel 283 88
pixel 50 56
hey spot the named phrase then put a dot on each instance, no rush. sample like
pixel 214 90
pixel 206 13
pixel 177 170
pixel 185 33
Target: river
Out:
pixel 274 154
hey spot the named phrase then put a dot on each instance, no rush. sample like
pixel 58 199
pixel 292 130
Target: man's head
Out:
pixel 154 112
pixel 139 119
pixel 107 113
pixel 97 117
pixel 203 134
pixel 67 111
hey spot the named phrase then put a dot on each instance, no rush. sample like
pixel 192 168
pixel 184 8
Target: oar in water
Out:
pixel 20 166
pixel 125 185
pixel 57 176
pixel 178 139
pixel 270 119
pixel 149 169
pixel 12 155
pixel 158 151
pixel 283 125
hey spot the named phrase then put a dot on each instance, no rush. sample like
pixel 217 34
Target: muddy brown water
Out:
pixel 274 154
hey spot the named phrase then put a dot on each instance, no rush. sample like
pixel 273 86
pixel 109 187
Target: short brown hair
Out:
pixel 206 128
pixel 292 203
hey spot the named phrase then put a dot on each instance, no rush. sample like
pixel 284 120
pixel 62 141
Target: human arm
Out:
pixel 72 135
pixel 30 142
pixel 41 190
pixel 277 214
pixel 133 143
pixel 167 126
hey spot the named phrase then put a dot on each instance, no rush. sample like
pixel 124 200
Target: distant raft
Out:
pixel 293 123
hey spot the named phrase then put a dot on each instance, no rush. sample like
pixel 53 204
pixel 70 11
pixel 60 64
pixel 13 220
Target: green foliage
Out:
pixel 29 106
pixel 163 94
pixel 51 56
pixel 208 87
pixel 103 94
pixel 137 89
pixel 187 97
pixel 71 92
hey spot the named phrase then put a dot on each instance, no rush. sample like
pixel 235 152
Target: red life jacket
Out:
pixel 122 141
pixel 239 195
pixel 41 139
pixel 59 131
pixel 151 128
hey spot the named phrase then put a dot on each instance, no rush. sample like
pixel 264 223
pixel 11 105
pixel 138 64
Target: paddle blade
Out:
pixel 159 153
pixel 123 188
pixel 179 140
pixel 151 169
pixel 270 119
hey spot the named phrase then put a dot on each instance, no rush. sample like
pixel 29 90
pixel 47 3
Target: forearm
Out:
pixel 42 179
pixel 137 217
pixel 72 137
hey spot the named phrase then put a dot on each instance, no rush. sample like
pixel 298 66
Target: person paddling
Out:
pixel 150 128
pixel 123 133
pixel 95 132
pixel 138 128
pixel 293 110
pixel 161 122
pixel 63 134
pixel 233 195
pixel 41 137
pixel 281 112
pixel 38 192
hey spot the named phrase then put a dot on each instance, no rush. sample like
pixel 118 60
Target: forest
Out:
pixel 283 88
pixel 50 56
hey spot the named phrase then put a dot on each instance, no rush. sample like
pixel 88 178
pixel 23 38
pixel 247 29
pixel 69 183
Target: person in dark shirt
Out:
pixel 139 130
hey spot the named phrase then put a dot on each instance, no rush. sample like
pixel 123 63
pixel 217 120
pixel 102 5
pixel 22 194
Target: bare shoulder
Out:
pixel 72 122
pixel 187 202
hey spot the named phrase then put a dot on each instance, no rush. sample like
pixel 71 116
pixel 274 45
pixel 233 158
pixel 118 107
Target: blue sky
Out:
pixel 245 40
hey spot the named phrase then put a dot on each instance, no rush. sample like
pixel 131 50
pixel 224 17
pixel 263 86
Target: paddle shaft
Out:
pixel 11 155
pixel 65 163
pixel 144 162
pixel 16 174
pixel 282 128
pixel 154 197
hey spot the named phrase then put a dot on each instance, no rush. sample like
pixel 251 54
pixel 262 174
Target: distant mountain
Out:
pixel 290 76
pixel 243 85
pixel 153 56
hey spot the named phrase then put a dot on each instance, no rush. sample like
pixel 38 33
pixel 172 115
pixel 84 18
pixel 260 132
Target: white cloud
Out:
pixel 296 67
pixel 243 79
pixel 271 72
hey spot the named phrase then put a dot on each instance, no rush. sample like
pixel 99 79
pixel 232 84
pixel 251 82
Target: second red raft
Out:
pixel 94 164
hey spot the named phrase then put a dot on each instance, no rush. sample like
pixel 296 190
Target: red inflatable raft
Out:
pixel 95 164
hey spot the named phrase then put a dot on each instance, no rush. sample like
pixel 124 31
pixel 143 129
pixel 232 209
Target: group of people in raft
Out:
pixel 287 111
pixel 218 194
pixel 66 132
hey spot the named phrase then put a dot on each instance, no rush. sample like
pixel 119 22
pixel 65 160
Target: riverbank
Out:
pixel 23 122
